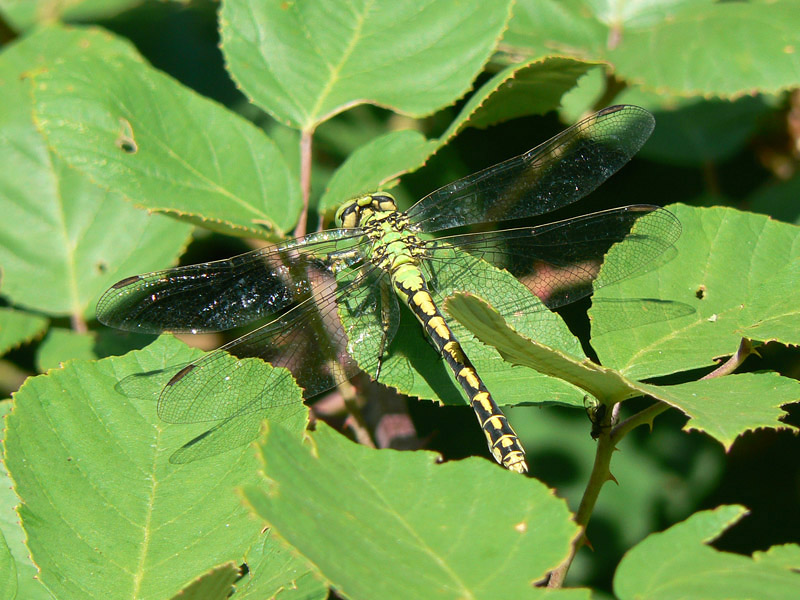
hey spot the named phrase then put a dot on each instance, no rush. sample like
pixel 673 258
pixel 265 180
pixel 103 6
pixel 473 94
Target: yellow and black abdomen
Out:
pixel 503 442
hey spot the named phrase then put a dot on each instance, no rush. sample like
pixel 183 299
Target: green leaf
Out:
pixel 24 14
pixel 726 49
pixel 29 586
pixel 778 199
pixel 489 327
pixel 134 130
pixel 726 407
pixel 217 584
pixel 62 345
pixel 404 516
pixel 18 327
pixel 542 28
pixel 722 259
pixel 773 313
pixel 701 132
pixel 103 492
pixel 8 571
pixel 681 48
pixel 305 62
pixel 677 563
pixel 275 570
pixel 531 88
pixel 58 227
pixel 376 163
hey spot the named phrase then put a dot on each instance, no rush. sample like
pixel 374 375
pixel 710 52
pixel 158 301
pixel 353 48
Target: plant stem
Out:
pixel 78 323
pixel 600 474
pixel 607 443
pixel 305 180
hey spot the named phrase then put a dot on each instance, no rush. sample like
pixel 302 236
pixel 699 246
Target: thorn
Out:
pixel 612 478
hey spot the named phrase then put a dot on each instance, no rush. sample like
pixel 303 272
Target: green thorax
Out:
pixel 395 248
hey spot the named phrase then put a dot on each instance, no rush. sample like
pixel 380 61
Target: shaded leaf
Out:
pixel 62 345
pixel 779 200
pixel 699 132
pixel 531 88
pixel 217 584
pixel 24 14
pixel 275 570
pixel 18 327
pixel 401 514
pixel 8 571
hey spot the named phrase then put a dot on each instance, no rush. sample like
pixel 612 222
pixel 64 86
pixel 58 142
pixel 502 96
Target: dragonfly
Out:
pixel 327 305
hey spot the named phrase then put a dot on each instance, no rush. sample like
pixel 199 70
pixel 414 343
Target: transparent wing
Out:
pixel 224 294
pixel 560 262
pixel 552 175
pixel 312 344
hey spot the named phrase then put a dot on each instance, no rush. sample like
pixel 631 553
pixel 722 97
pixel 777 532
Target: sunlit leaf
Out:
pixel 679 563
pixel 58 226
pixel 722 260
pixel 147 527
pixel 303 62
pixel 136 131
pixel 403 515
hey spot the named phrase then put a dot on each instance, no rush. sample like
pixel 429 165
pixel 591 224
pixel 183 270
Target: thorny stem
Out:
pixel 607 443
pixel 305 179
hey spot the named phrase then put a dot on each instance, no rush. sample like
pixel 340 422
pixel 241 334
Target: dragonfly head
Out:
pixel 358 211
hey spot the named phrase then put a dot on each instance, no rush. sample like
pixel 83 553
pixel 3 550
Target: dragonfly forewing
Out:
pixel 557 173
pixel 224 294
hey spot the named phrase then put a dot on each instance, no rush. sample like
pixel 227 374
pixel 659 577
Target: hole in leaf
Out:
pixel 125 141
pixel 701 292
